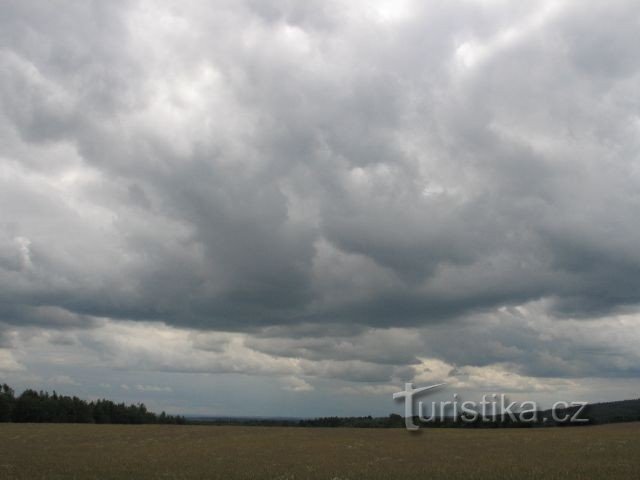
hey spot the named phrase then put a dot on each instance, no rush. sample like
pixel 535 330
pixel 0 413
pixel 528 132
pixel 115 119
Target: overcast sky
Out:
pixel 292 208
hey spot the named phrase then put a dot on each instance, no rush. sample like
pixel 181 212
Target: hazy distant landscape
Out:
pixel 32 406
pixel 63 451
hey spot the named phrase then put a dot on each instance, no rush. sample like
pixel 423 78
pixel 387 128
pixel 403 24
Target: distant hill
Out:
pixel 612 412
pixel 595 414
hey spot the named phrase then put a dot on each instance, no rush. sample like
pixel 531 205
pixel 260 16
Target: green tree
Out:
pixel 7 403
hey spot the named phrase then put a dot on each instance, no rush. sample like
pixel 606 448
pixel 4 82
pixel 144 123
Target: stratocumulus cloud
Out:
pixel 343 191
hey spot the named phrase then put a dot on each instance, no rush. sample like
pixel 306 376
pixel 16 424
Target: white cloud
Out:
pixel 62 380
pixel 8 362
pixel 296 384
pixel 153 388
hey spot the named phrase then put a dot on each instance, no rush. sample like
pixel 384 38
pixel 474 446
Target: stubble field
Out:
pixel 50 451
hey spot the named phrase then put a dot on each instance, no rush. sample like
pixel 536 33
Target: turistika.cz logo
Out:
pixel 493 408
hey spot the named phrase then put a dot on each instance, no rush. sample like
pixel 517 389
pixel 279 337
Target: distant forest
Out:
pixel 43 407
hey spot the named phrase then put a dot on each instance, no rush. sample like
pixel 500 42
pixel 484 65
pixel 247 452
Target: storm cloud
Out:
pixel 340 190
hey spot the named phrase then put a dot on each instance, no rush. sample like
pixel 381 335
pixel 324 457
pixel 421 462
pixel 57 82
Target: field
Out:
pixel 49 451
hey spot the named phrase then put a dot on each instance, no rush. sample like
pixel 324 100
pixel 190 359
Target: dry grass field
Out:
pixel 49 451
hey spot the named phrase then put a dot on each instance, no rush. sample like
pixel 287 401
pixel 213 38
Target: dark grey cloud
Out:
pixel 385 149
pixel 356 186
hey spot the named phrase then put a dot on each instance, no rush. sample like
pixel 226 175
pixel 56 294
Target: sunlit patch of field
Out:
pixel 49 451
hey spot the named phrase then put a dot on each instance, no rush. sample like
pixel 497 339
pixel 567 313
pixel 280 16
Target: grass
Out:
pixel 50 451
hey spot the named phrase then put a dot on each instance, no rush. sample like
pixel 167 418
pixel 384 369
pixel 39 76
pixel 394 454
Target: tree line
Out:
pixel 43 407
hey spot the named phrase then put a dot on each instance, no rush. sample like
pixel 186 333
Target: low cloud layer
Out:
pixel 331 190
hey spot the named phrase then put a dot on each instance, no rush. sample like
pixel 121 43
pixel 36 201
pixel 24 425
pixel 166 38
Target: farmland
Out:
pixel 61 451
